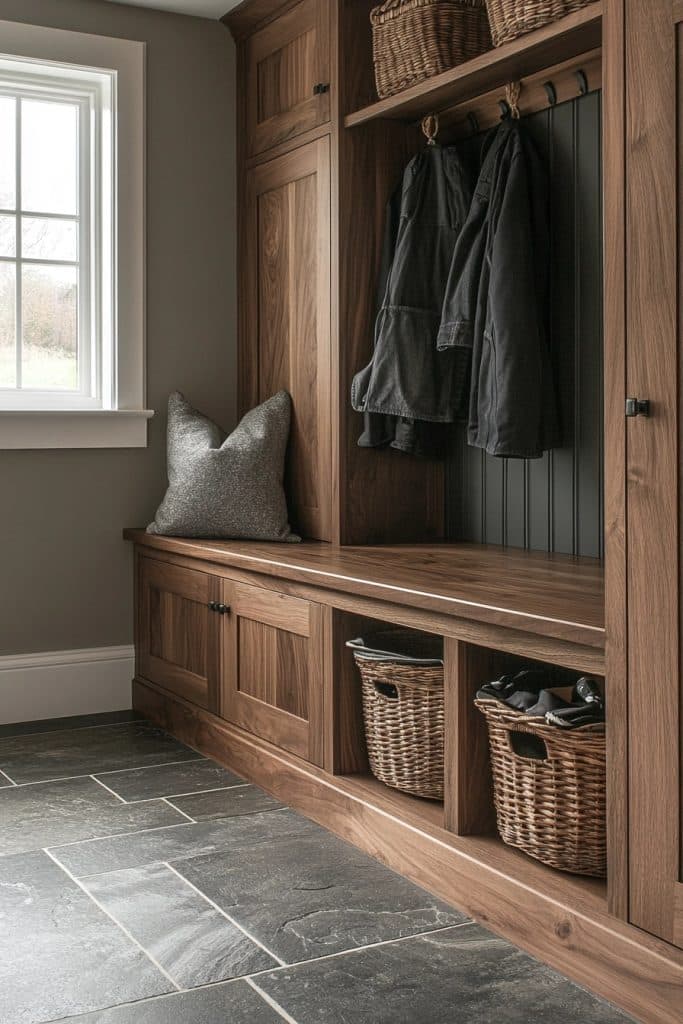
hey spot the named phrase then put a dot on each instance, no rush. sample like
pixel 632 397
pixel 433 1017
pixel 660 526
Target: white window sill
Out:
pixel 78 428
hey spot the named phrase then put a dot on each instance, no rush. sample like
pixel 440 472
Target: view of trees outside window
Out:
pixel 39 244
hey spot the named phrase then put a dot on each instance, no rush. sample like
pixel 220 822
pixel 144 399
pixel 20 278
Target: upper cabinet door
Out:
pixel 288 68
pixel 653 55
pixel 285 318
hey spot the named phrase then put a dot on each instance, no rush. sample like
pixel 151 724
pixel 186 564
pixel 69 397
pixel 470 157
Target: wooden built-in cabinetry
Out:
pixel 240 647
pixel 286 317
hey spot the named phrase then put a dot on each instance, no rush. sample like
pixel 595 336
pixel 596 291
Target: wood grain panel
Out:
pixel 286 340
pixel 468 797
pixel 272 608
pixel 273 679
pixel 564 919
pixel 284 61
pixel 614 180
pixel 176 633
pixel 549 595
pixel 652 459
pixel 284 76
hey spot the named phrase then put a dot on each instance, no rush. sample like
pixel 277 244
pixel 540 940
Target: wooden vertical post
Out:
pixel 468 793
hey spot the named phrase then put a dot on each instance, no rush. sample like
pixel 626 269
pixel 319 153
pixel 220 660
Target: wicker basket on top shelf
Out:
pixel 512 18
pixel 415 39
pixel 549 788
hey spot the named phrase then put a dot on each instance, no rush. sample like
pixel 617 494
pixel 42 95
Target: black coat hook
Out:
pixel 582 80
pixel 551 93
pixel 505 110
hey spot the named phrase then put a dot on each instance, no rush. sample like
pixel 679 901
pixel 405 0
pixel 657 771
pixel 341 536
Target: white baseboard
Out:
pixel 56 684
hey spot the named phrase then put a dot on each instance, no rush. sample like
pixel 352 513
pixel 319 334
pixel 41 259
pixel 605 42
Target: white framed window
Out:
pixel 71 240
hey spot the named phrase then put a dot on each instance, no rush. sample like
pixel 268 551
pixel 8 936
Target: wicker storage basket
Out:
pixel 549 797
pixel 403 710
pixel 415 39
pixel 512 18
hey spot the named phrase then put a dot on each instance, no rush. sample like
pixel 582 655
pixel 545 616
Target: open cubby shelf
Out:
pixel 427 816
pixel 576 34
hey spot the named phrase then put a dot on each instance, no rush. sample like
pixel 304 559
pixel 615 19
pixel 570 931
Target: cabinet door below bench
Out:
pixel 272 668
pixel 179 636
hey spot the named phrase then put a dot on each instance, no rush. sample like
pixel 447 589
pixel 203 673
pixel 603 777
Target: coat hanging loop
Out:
pixel 430 128
pixel 512 92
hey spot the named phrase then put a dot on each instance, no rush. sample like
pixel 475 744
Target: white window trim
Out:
pixel 124 422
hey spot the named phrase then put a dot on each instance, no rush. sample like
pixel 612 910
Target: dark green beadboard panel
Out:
pixel 554 503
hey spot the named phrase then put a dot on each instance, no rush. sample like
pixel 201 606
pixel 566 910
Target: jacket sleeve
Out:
pixel 513 370
pixel 459 312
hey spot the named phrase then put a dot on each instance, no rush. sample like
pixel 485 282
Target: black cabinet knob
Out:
pixel 223 609
pixel 321 87
pixel 637 407
pixel 213 606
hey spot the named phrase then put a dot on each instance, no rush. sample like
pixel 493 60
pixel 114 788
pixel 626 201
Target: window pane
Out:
pixel 8 358
pixel 8 235
pixel 49 157
pixel 8 124
pixel 49 239
pixel 50 327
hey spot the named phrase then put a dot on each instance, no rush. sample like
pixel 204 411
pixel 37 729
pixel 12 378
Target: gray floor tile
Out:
pixel 59 954
pixel 170 780
pixel 72 722
pixel 191 940
pixel 308 895
pixel 231 1003
pixel 226 803
pixel 460 976
pixel 56 755
pixel 239 836
pixel 50 813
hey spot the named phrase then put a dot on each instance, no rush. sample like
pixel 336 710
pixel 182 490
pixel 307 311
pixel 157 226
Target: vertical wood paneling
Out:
pixel 554 503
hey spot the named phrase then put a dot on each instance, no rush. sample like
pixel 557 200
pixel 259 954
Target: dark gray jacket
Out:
pixel 496 301
pixel 408 379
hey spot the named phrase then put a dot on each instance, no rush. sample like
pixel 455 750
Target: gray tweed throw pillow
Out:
pixel 230 487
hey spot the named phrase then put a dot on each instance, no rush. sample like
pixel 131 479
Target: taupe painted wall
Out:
pixel 65 573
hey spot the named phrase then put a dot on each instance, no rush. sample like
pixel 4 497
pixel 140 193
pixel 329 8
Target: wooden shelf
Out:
pixel 569 37
pixel 554 596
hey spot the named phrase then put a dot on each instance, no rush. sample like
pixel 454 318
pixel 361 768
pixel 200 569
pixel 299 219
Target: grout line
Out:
pixel 361 949
pixel 118 924
pixel 7 777
pixel 120 835
pixel 220 910
pixel 192 792
pixel 95 779
pixel 271 1002
pixel 165 800
pixel 112 771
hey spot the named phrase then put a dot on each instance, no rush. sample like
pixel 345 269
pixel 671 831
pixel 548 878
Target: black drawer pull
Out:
pixel 320 88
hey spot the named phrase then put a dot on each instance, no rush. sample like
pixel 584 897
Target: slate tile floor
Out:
pixel 141 883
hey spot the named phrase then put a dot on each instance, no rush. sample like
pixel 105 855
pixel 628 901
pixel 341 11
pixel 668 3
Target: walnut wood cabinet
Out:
pixel 643 601
pixel 272 681
pixel 178 640
pixel 285 340
pixel 269 688
pixel 252 655
pixel 288 76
